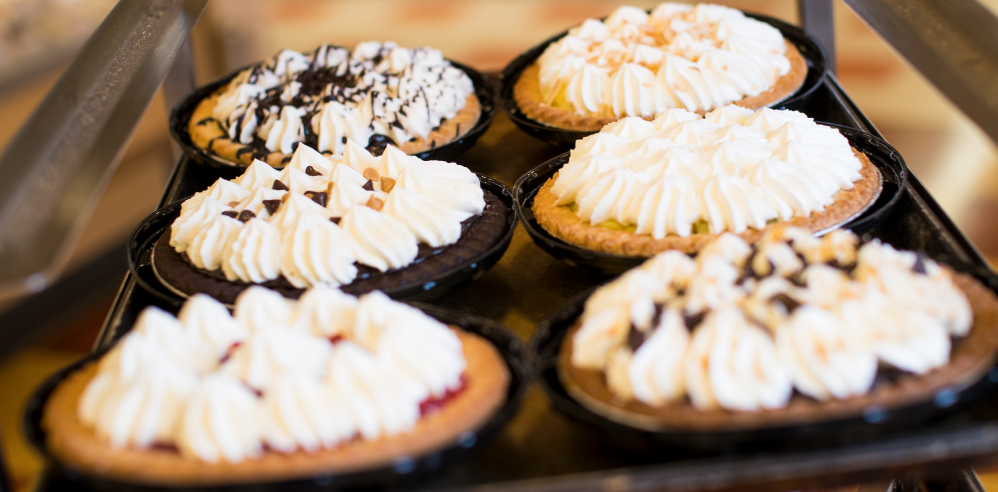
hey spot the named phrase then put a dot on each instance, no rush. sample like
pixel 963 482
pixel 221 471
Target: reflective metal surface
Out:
pixel 62 157
pixel 953 43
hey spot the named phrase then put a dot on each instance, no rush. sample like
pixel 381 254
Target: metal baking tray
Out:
pixel 888 161
pixel 543 450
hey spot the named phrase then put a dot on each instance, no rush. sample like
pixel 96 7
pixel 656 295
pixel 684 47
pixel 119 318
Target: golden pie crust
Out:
pixel 527 94
pixel 207 133
pixel 76 445
pixel 970 358
pixel 561 222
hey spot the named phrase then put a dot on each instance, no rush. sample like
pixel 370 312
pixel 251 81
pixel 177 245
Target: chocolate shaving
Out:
pixel 234 203
pixel 246 215
pixel 789 303
pixel 285 197
pixel 317 197
pixel 272 206
pixel 919 266
pixel 387 184
pixel 371 174
pixel 279 185
pixel 230 213
pixel 375 203
pixel 635 338
pixel 369 186
pixel 694 320
pixel 309 170
pixel 335 220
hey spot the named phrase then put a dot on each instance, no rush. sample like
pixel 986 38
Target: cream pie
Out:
pixel 640 187
pixel 357 221
pixel 282 389
pixel 375 94
pixel 794 329
pixel 638 64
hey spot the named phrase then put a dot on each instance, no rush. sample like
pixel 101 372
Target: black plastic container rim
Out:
pixel 548 242
pixel 873 421
pixel 511 73
pixel 514 353
pixel 136 245
pixel 486 91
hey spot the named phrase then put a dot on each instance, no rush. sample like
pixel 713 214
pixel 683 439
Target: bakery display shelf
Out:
pixel 888 161
pixel 180 117
pixel 542 449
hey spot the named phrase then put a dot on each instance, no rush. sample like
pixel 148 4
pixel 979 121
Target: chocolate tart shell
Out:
pixel 161 271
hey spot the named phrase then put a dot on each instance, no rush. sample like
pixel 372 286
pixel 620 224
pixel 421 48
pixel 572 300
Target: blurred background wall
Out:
pixel 38 38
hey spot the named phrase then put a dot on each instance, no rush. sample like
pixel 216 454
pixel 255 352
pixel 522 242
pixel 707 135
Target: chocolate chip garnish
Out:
pixel 369 186
pixel 635 338
pixel 371 174
pixel 272 206
pixel 246 215
pixel 317 197
pixel 919 266
pixel 375 203
pixel 693 320
pixel 387 184
pixel 309 170
pixel 279 185
pixel 294 146
pixel 286 159
pixel 230 213
pixel 335 220
pixel 788 302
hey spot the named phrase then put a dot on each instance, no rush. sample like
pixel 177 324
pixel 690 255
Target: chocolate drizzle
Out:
pixel 789 303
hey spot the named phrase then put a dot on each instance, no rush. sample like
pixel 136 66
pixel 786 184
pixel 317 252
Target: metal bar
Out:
pixel 953 43
pixel 178 84
pixel 61 159
pixel 817 17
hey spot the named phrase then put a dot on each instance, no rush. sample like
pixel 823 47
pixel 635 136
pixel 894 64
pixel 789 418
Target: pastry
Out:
pixel 638 64
pixel 326 385
pixel 792 330
pixel 376 94
pixel 356 221
pixel 640 187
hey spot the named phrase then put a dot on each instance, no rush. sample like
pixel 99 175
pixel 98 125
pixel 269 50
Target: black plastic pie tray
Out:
pixel 807 46
pixel 870 424
pixel 404 468
pixel 143 240
pixel 887 160
pixel 181 114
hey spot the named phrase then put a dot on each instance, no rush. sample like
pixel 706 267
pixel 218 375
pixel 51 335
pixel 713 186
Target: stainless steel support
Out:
pixel 817 17
pixel 178 84
pixel 953 43
pixel 56 167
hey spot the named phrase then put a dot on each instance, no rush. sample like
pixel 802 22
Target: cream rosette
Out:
pixel 681 174
pixel 277 374
pixel 319 217
pixel 680 56
pixel 742 327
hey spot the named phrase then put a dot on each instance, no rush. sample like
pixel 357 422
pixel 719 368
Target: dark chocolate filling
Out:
pixel 478 234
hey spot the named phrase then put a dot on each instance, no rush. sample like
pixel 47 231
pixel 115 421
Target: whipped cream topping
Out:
pixel 289 375
pixel 314 221
pixel 378 93
pixel 741 327
pixel 732 170
pixel 681 56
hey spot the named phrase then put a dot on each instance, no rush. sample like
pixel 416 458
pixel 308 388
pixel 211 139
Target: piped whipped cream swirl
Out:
pixel 289 375
pixel 741 327
pixel 681 56
pixel 732 170
pixel 319 217
pixel 377 93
